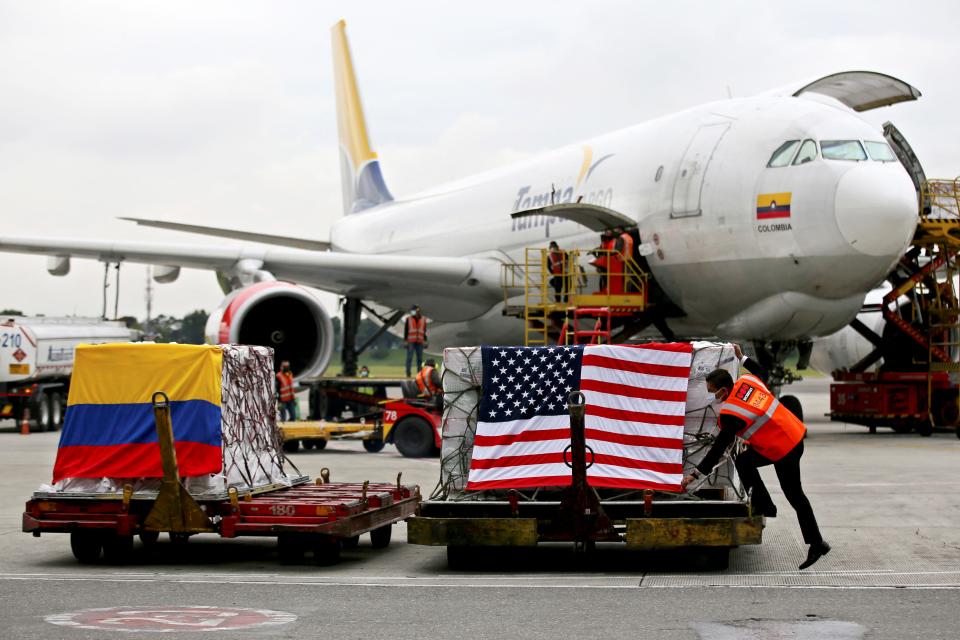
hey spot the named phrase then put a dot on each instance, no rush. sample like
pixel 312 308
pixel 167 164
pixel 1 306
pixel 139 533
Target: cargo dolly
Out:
pixel 322 517
pixel 709 527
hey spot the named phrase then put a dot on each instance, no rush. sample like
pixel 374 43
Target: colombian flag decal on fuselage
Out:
pixel 773 205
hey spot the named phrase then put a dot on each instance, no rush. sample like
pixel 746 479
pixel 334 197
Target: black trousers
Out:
pixel 788 472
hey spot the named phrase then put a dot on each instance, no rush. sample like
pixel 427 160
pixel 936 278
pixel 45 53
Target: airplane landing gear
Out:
pixel 771 356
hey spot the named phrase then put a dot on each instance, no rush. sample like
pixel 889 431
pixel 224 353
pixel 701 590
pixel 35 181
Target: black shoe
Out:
pixel 815 552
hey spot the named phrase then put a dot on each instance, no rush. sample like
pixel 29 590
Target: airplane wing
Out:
pixel 453 288
pixel 266 238
pixel 859 90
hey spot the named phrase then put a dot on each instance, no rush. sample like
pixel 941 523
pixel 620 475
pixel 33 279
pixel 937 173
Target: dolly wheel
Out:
pixel 320 444
pixel 149 538
pixel 291 446
pixel 925 427
pixel 326 551
pixel 351 542
pixel 86 546
pixel 373 446
pixel 459 558
pixel 380 538
pixel 117 549
pixel 291 547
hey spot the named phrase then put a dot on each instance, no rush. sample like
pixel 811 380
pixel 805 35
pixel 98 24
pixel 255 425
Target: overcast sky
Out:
pixel 222 113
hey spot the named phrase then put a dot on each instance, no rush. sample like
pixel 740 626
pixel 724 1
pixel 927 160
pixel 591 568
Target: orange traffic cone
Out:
pixel 25 422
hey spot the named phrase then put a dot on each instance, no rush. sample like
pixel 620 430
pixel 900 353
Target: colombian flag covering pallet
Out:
pixel 109 429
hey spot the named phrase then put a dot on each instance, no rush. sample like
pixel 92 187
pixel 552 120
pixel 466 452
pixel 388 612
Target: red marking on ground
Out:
pixel 166 619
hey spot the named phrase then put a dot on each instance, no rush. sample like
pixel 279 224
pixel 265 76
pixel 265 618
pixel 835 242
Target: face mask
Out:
pixel 720 395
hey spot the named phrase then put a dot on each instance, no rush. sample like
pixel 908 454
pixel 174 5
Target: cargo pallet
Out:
pixel 322 517
pixel 707 526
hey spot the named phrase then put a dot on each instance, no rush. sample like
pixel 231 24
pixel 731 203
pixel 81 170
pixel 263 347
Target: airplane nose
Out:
pixel 876 209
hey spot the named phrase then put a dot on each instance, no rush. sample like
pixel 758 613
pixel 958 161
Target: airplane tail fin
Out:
pixel 363 184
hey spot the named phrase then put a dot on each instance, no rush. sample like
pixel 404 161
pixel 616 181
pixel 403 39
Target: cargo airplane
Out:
pixel 765 219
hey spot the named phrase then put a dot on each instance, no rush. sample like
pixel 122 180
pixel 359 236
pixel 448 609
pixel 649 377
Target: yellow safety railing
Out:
pixel 548 297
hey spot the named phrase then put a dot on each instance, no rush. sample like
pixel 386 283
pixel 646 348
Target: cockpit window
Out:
pixel 880 151
pixel 842 150
pixel 808 152
pixel 784 154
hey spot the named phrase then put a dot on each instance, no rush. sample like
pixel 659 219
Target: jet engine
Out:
pixel 279 315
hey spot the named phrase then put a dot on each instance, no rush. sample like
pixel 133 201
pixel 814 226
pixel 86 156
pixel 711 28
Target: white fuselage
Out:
pixel 691 181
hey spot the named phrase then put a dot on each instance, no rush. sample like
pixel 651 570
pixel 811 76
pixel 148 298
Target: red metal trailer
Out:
pixel 321 518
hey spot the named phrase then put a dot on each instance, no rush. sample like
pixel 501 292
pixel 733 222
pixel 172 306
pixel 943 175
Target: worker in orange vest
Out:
pixel 602 260
pixel 773 436
pixel 415 337
pixel 556 259
pixel 429 384
pixel 286 393
pixel 623 245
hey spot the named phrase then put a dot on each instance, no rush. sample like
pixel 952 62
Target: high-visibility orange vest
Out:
pixel 555 260
pixel 425 384
pixel 601 261
pixel 771 429
pixel 627 249
pixel 416 329
pixel 286 386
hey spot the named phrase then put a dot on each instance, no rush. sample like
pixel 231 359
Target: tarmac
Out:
pixel 886 502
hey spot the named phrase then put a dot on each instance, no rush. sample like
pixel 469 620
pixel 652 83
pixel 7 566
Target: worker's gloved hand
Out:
pixel 737 351
pixel 686 481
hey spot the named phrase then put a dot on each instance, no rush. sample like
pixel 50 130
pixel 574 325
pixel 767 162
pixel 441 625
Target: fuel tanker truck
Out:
pixel 36 360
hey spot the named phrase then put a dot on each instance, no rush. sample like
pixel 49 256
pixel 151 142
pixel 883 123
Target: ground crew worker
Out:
pixel 429 384
pixel 556 259
pixel 286 393
pixel 415 337
pixel 602 260
pixel 623 245
pixel 773 436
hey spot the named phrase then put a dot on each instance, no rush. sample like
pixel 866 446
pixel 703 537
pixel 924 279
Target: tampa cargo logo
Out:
pixel 558 195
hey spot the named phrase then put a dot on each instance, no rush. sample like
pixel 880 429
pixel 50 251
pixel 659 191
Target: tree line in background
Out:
pixel 163 328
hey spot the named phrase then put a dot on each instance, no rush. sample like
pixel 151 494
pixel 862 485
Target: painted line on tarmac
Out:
pixel 445 583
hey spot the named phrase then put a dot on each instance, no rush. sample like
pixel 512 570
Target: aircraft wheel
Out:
pixel 414 438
